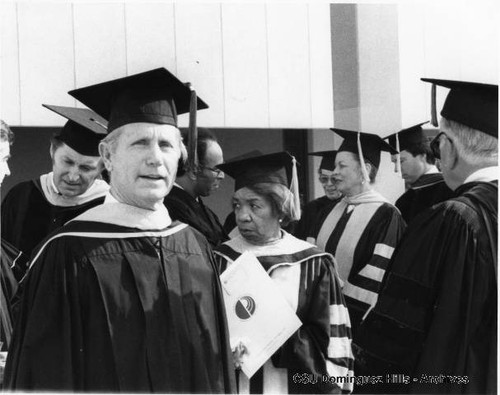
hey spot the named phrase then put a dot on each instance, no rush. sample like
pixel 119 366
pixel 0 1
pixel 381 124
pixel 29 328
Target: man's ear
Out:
pixel 453 154
pixel 105 152
pixel 52 150
pixel 192 175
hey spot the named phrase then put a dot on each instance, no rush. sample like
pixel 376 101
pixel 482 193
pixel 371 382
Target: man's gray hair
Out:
pixel 476 146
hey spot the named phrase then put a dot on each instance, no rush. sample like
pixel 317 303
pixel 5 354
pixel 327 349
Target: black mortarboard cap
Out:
pixel 327 159
pixel 277 168
pixel 371 145
pixel 155 96
pixel 83 131
pixel 470 103
pixel 273 168
pixel 408 137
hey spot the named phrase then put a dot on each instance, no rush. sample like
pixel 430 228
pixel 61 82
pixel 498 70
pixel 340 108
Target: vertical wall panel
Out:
pixel 100 48
pixel 414 101
pixel 246 85
pixel 150 37
pixel 46 60
pixel 289 68
pixel 378 67
pixel 345 65
pixel 320 54
pixel 199 57
pixel 9 65
pixel 479 60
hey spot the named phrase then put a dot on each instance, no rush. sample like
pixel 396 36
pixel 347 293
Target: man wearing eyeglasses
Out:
pixel 436 316
pixel 184 201
pixel 315 211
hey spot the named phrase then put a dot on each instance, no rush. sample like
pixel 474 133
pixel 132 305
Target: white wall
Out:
pixel 261 65
pixel 449 40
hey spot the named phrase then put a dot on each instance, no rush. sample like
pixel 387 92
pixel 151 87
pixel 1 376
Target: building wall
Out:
pixel 264 66
pixel 261 65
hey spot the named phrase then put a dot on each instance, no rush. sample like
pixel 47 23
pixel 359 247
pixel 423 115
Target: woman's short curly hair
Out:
pixel 5 133
pixel 280 198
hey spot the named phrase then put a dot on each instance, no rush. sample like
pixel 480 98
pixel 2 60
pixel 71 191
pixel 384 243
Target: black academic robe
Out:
pixel 111 308
pixel 27 216
pixel 183 207
pixel 428 190
pixel 10 260
pixel 321 347
pixel 436 316
pixel 313 212
pixel 361 233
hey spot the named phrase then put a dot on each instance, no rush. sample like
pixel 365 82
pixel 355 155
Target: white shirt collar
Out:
pixel 114 212
pixel 485 174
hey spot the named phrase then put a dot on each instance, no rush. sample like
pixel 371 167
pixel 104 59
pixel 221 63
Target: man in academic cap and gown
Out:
pixel 33 209
pixel 362 230
pixel 123 299
pixel 436 317
pixel 184 202
pixel 425 183
pixel 315 210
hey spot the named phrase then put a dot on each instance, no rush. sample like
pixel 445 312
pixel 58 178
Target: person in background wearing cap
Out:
pixel 266 198
pixel 122 299
pixel 315 210
pixel 362 230
pixel 33 209
pixel 437 314
pixel 11 259
pixel 184 201
pixel 425 184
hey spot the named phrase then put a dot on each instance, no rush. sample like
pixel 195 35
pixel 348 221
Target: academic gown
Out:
pixel 436 318
pixel 361 232
pixel 183 207
pixel 313 212
pixel 28 216
pixel 321 347
pixel 10 260
pixel 122 300
pixel 428 190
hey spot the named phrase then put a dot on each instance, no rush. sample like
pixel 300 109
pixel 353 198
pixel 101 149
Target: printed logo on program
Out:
pixel 245 307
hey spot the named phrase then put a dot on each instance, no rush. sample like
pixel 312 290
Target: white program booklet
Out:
pixel 257 312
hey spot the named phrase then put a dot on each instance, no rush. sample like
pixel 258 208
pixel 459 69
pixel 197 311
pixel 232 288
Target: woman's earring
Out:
pixel 280 220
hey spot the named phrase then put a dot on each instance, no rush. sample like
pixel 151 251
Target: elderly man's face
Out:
pixel 73 173
pixel 143 163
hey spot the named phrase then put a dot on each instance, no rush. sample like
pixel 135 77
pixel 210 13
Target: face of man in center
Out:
pixel 143 163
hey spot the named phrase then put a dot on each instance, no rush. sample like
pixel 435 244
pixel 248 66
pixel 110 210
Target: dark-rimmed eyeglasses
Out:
pixel 435 144
pixel 217 172
pixel 325 179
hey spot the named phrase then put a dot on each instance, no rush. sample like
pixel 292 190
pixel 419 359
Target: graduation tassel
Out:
pixel 434 121
pixel 192 162
pixel 398 157
pixel 366 177
pixel 294 188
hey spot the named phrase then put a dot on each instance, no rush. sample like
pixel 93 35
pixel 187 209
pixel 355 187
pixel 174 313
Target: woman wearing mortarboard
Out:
pixel 265 200
pixel 363 229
